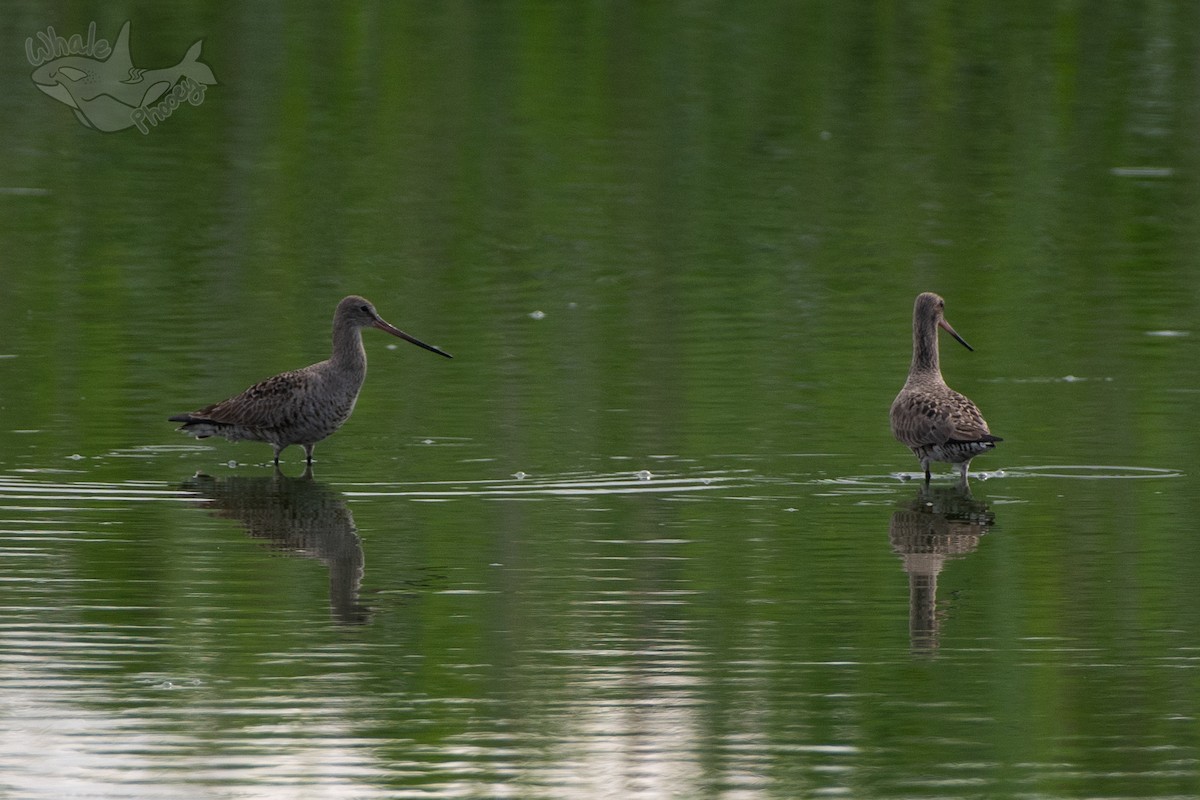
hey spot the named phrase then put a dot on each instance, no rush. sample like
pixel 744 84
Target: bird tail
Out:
pixel 986 439
pixel 195 426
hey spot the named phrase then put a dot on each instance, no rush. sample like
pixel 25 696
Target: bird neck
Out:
pixel 348 351
pixel 925 350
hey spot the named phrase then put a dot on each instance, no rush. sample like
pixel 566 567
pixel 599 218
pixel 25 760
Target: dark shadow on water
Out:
pixel 297 516
pixel 940 523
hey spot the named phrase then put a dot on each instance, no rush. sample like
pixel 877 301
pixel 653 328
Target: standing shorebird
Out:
pixel 938 423
pixel 305 405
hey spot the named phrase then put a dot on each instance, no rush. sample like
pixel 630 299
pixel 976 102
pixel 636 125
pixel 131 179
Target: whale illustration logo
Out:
pixel 109 93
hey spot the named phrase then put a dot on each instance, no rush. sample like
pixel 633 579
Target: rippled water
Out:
pixel 681 631
pixel 647 535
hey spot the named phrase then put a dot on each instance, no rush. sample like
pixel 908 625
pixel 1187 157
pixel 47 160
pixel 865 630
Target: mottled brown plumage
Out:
pixel 936 422
pixel 305 405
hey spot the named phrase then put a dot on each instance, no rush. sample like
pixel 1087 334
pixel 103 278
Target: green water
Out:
pixel 647 535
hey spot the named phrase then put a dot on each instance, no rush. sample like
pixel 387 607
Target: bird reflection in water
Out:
pixel 299 516
pixel 940 523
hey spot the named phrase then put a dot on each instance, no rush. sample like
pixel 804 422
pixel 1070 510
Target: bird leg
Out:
pixel 308 451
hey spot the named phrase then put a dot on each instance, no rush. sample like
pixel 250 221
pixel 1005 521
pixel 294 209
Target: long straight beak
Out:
pixel 394 331
pixel 941 324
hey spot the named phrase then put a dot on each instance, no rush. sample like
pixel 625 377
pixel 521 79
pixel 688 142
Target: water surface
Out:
pixel 647 535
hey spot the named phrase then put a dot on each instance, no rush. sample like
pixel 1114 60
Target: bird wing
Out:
pixel 921 419
pixel 966 423
pixel 264 405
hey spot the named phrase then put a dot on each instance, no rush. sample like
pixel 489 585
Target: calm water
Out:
pixel 647 535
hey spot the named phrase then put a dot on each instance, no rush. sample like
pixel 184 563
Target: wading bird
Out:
pixel 305 405
pixel 936 422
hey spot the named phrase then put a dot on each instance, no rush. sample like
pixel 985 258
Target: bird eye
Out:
pixel 364 308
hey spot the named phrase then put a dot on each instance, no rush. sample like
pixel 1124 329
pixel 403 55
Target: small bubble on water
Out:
pixel 644 475
pixel 231 464
pixel 427 441
pixel 391 346
pixel 520 475
pixel 537 315
pixel 75 457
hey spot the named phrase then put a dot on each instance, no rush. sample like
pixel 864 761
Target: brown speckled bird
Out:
pixel 936 422
pixel 305 405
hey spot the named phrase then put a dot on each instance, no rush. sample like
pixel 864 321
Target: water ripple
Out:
pixel 524 486
pixel 13 488
pixel 885 484
pixel 1089 472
